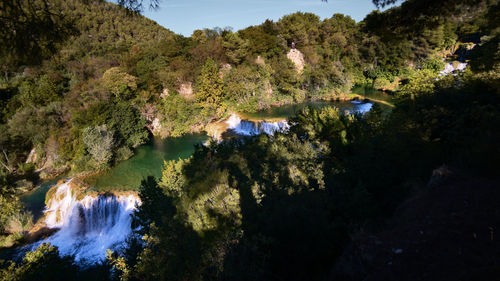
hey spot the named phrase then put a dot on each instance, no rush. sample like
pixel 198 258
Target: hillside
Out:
pixel 447 232
pixel 301 204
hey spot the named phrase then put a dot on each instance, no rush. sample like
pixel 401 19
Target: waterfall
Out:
pixel 90 225
pixel 361 107
pixel 450 68
pixel 250 128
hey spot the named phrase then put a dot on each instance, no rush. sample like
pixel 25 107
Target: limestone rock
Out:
pixel 260 61
pixel 186 90
pixel 297 58
pixel 156 126
pixel 164 94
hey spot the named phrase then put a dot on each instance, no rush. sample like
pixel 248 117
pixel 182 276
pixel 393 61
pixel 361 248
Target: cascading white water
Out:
pixel 361 107
pixel 249 128
pixel 450 68
pixel 89 226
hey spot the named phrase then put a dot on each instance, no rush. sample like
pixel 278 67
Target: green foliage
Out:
pixel 264 207
pixel 420 81
pixel 32 30
pixel 119 66
pixel 33 125
pixel 381 84
pixel 128 124
pixel 435 64
pixel 118 82
pixel 287 204
pixel 44 264
pixel 248 88
pixel 99 143
pixel 235 47
pixel 171 250
pixel 209 85
pixel 262 39
pixel 301 28
pixel 172 179
pixel 179 115
pixel 123 153
pixel 12 217
pixel 40 93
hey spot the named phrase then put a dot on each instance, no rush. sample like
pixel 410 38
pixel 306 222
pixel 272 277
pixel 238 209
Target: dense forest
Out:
pixel 282 207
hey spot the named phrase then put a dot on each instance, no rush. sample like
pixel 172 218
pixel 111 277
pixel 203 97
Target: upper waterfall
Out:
pixel 251 128
pixel 88 225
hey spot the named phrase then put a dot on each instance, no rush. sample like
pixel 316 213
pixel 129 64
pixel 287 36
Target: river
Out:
pixel 148 158
pixel 86 232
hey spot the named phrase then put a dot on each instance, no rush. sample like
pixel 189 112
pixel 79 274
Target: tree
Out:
pixel 118 82
pixel 128 125
pixel 43 264
pixel 172 249
pixel 381 83
pixel 301 28
pixel 235 47
pixel 32 30
pixel 172 179
pixel 99 143
pixel 42 92
pixel 137 6
pixel 13 219
pixel 210 86
pixel 419 82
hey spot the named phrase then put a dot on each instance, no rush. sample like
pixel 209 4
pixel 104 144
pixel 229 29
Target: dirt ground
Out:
pixel 448 232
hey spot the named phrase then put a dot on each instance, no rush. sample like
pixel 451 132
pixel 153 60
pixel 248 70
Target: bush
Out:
pixel 123 153
pixel 99 143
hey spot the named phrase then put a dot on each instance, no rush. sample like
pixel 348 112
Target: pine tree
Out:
pixel 210 85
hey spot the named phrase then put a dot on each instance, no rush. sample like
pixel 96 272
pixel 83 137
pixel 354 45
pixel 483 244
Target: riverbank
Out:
pixel 276 115
pixel 148 159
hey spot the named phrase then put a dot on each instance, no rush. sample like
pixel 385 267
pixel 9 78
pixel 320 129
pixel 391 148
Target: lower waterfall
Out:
pixel 90 225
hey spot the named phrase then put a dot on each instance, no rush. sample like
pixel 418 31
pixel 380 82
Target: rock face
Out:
pixel 297 58
pixel 224 70
pixel 186 90
pixel 32 157
pixel 156 126
pixel 149 113
pixel 164 94
pixel 46 160
pixel 260 61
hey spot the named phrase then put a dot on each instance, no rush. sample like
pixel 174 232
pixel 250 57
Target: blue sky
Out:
pixel 184 16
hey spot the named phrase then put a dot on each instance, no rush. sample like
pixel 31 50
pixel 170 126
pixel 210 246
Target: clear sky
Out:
pixel 184 16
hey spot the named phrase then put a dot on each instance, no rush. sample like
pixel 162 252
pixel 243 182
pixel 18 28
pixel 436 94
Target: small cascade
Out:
pixel 361 107
pixel 250 128
pixel 90 225
pixel 450 68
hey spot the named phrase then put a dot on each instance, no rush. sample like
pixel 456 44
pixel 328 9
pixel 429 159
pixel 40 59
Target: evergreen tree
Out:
pixel 210 86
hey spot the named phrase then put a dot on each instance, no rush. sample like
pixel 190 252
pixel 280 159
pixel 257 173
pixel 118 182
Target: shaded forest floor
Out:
pixel 448 232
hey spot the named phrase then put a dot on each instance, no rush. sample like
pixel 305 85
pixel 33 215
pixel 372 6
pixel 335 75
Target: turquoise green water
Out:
pixel 34 200
pixel 291 109
pixel 147 161
pixel 127 175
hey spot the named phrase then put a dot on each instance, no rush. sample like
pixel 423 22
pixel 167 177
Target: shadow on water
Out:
pixel 147 161
pixel 34 200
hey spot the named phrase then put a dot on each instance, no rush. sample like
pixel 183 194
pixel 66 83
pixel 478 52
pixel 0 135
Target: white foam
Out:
pixel 449 68
pixel 90 226
pixel 362 107
pixel 249 128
